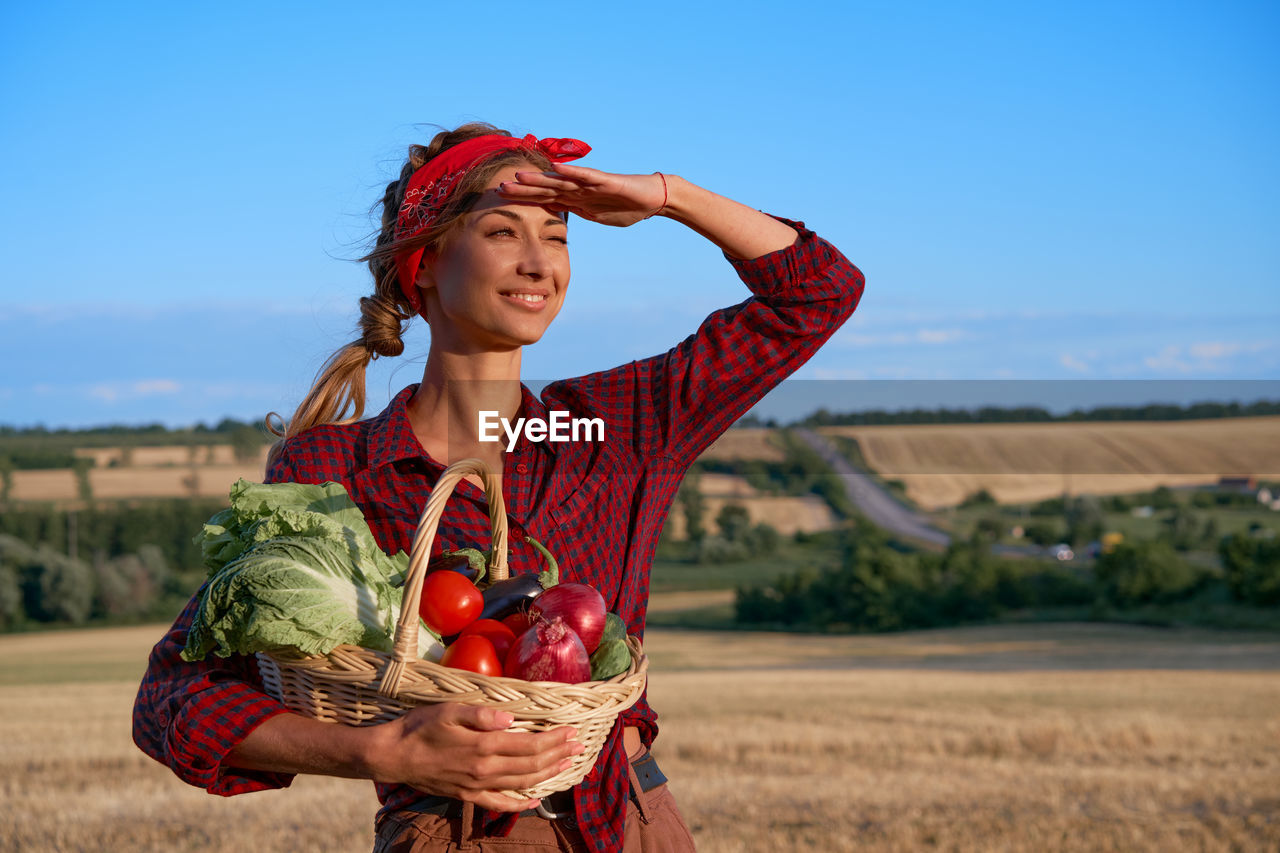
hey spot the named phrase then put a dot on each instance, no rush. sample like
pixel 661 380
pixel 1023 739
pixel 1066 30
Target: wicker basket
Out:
pixel 361 687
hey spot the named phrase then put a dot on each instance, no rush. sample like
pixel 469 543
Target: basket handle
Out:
pixel 405 649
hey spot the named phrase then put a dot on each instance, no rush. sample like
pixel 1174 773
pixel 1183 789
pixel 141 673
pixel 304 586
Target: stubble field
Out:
pixel 942 465
pixel 1003 738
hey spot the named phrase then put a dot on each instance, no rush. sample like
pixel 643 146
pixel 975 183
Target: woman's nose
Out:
pixel 535 261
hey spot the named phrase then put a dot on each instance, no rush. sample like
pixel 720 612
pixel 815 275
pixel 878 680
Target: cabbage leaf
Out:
pixel 295 566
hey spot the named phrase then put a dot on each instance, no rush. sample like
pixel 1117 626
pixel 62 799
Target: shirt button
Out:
pixel 522 468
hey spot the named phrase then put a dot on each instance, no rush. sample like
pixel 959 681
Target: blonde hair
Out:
pixel 338 394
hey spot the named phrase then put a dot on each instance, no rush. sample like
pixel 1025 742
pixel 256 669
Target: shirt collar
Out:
pixel 391 436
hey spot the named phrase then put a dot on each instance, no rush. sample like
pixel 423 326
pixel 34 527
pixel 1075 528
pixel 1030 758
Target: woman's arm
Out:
pixel 622 200
pixel 451 750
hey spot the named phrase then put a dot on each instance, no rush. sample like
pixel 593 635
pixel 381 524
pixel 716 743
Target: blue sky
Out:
pixel 1085 191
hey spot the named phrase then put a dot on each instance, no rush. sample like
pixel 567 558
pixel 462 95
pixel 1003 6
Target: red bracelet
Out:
pixel 664 196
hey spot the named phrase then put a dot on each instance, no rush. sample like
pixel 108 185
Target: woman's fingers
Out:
pixel 469 752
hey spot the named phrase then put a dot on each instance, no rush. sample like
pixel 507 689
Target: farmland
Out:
pixel 1064 737
pixel 939 465
pixel 1024 462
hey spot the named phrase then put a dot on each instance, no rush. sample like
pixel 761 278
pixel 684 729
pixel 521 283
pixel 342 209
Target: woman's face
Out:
pixel 501 278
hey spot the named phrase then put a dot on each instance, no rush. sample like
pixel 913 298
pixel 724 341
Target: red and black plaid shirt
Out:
pixel 598 506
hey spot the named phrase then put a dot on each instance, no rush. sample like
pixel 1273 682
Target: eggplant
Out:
pixel 456 561
pixel 502 598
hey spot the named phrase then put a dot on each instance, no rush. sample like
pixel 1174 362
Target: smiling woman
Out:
pixel 474 240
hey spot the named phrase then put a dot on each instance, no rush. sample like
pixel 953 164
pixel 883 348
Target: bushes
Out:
pixel 42 585
pixel 738 539
pixel 1251 568
pixel 880 588
pixel 1145 573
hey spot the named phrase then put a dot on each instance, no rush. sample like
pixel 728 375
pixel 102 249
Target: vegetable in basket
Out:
pixel 296 566
pixel 549 651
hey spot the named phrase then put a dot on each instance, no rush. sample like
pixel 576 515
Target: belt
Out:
pixel 555 806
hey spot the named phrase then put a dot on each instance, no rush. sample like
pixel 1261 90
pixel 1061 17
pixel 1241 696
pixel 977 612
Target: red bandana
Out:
pixel 431 185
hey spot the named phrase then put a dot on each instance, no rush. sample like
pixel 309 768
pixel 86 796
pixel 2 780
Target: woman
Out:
pixel 474 239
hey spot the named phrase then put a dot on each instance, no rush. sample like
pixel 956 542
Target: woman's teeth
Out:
pixel 528 297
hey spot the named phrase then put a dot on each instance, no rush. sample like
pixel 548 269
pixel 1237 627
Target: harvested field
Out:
pixel 163 456
pixel 725 486
pixel 202 480
pixel 784 513
pixel 747 443
pixel 941 465
pixel 121 473
pixel 134 482
pixel 1007 738
pixel 52 485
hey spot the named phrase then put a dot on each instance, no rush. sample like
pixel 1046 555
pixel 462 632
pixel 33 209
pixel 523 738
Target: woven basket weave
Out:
pixel 361 687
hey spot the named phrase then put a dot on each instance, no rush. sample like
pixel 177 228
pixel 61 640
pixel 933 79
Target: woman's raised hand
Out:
pixel 603 197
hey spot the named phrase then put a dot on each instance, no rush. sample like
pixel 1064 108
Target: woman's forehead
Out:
pixel 490 200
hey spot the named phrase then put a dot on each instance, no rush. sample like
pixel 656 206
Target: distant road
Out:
pixel 870 497
pixel 875 502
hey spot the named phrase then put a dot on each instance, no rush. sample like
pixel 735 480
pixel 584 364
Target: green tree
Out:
pixel 734 522
pixel 1144 572
pixel 1182 528
pixel 1084 519
pixel 1251 567
pixel 694 507
pixel 246 442
pixel 56 588
pixel 11 612
pixel 84 486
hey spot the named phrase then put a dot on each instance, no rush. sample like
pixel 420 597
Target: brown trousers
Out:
pixel 657 828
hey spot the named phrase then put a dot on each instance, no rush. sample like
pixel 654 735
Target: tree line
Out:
pixel 882 585
pixel 112 563
pixel 32 448
pixel 1033 414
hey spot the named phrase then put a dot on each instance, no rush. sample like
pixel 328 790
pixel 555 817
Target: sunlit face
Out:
pixel 501 278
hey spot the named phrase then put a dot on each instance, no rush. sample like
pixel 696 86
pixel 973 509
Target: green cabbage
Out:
pixel 296 566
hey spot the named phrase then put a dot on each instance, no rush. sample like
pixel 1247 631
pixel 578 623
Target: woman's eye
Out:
pixel 500 232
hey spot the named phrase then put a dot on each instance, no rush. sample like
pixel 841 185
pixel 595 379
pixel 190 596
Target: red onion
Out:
pixel 580 606
pixel 549 651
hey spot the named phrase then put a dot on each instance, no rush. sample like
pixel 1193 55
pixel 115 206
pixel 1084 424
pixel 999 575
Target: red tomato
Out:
pixel 474 653
pixel 449 602
pixel 519 622
pixel 500 635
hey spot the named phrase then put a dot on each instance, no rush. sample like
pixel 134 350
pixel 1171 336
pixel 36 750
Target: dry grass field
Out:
pixel 143 472
pixel 1022 738
pixel 785 514
pixel 942 465
pixel 753 443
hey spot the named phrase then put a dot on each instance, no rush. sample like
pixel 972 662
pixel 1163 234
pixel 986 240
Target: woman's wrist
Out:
pixel 740 231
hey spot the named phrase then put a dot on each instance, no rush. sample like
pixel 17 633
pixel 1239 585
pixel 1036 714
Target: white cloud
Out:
pixel 1169 358
pixel 1213 350
pixel 112 392
pixel 940 336
pixel 931 337
pixel 156 386
pixel 837 373
pixel 1070 362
